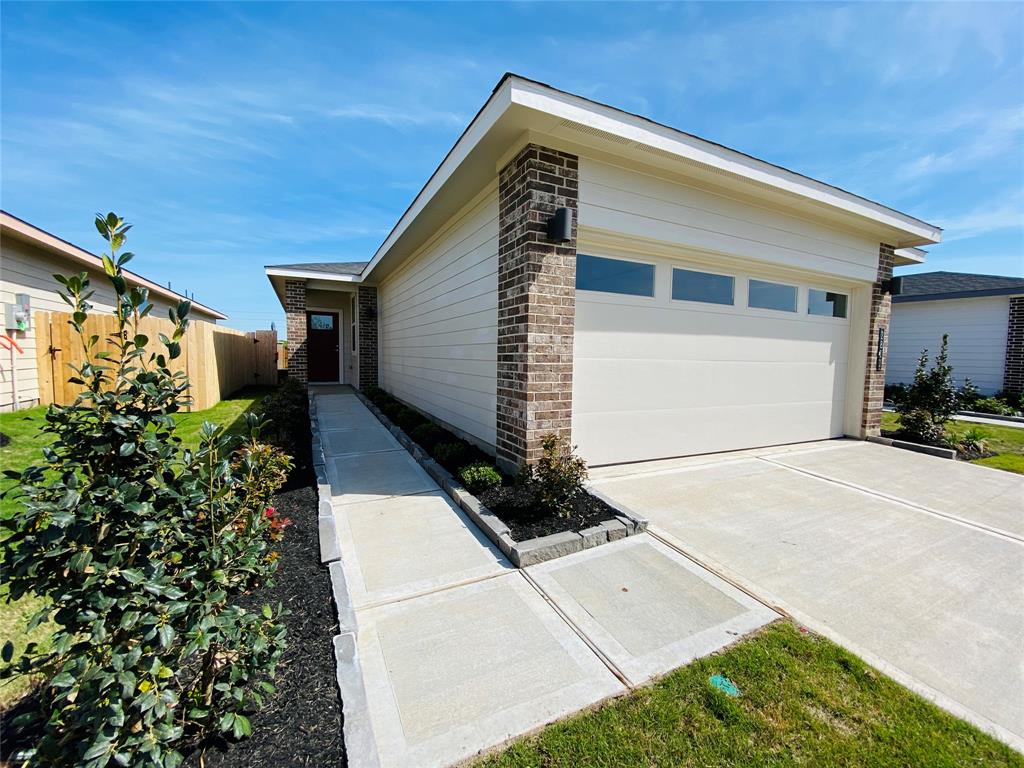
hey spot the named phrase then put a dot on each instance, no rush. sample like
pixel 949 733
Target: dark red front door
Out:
pixel 322 348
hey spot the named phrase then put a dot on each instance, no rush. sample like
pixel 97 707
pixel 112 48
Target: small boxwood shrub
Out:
pixel 558 475
pixel 407 419
pixel 428 435
pixel 480 476
pixel 452 455
pixel 994 406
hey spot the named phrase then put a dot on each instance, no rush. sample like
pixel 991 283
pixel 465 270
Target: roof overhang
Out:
pixel 12 226
pixel 906 257
pixel 982 294
pixel 521 110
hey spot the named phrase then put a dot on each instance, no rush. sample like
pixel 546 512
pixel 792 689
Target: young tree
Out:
pixel 930 400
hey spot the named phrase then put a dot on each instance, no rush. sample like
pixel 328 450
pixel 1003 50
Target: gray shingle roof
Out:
pixel 956 285
pixel 327 267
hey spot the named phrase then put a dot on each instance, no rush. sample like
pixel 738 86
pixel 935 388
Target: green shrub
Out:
pixel 428 435
pixel 993 406
pixel 407 419
pixel 895 393
pixel 967 396
pixel 451 456
pixel 479 477
pixel 391 409
pixel 973 441
pixel 930 400
pixel 558 475
pixel 141 548
pixel 283 409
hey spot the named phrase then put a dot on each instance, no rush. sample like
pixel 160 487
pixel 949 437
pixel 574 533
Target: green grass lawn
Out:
pixel 1007 443
pixel 25 448
pixel 803 701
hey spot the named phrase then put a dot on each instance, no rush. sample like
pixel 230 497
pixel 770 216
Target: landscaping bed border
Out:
pixel 931 450
pixel 521 553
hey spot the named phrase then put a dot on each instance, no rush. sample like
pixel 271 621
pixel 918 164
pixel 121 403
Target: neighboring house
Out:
pixel 984 317
pixel 29 257
pixel 703 301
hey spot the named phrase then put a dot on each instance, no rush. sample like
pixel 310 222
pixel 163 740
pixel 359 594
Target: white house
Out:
pixel 698 299
pixel 29 257
pixel 983 315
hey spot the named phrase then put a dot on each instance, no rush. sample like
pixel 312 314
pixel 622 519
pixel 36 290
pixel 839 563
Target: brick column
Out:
pixel 536 303
pixel 367 331
pixel 295 313
pixel 874 377
pixel 1013 373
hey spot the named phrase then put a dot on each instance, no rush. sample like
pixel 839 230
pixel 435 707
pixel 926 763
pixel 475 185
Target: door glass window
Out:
pixel 690 285
pixel 826 303
pixel 353 328
pixel 321 322
pixel 595 273
pixel 765 295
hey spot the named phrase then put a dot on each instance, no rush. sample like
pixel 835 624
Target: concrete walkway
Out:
pixel 446 649
pixel 914 563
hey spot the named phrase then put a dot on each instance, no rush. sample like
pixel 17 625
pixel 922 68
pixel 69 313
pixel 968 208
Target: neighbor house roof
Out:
pixel 521 111
pixel 19 229
pixel 935 286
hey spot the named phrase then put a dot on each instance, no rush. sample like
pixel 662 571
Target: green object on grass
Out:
pixel 723 683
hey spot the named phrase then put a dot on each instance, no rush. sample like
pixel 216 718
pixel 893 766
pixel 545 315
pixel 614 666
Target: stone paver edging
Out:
pixel 360 743
pixel 521 553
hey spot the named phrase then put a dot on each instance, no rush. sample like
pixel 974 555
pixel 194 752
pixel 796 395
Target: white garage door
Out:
pixel 672 360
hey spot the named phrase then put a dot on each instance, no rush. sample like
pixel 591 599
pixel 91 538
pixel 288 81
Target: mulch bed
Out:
pixel 301 724
pixel 516 506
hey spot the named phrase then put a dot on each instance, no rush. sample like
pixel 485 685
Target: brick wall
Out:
pixel 536 303
pixel 295 314
pixel 367 328
pixel 874 379
pixel 1013 373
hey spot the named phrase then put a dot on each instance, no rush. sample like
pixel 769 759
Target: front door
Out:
pixel 322 346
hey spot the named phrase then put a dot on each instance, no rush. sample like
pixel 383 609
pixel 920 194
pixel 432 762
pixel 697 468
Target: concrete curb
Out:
pixel 521 553
pixel 931 450
pixel 993 416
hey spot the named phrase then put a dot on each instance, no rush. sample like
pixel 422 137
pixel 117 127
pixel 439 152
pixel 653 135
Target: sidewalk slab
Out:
pixel 338 403
pixel 342 442
pixel 992 498
pixel 357 418
pixel 372 476
pixel 646 607
pixel 455 672
pixel 409 545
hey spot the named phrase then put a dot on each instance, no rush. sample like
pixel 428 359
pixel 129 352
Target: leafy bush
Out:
pixel 930 400
pixel 993 406
pixel 428 435
pixel 139 546
pixel 407 419
pixel 284 408
pixel 558 475
pixel 391 409
pixel 973 441
pixel 479 477
pixel 895 393
pixel 967 396
pixel 452 455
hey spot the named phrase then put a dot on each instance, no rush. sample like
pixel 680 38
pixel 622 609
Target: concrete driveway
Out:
pixel 914 563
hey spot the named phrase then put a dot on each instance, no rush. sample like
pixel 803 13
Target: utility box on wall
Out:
pixel 18 314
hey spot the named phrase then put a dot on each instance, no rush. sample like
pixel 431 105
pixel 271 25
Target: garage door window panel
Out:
pixel 705 287
pixel 762 294
pixel 826 303
pixel 604 275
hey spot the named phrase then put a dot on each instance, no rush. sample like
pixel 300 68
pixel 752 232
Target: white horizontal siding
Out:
pixel 630 203
pixel 25 268
pixel 977 338
pixel 438 323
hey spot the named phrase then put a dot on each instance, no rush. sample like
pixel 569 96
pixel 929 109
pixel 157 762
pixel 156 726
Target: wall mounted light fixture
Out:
pixel 560 226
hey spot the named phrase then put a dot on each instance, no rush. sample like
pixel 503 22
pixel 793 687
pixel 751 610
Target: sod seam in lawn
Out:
pixel 803 701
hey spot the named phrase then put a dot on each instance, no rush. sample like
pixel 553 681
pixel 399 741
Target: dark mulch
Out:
pixel 518 508
pixel 301 724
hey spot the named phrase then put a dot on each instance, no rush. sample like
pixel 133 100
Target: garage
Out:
pixel 679 357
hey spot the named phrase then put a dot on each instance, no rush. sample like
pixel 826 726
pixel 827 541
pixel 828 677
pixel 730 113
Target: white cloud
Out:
pixel 1006 212
pixel 398 117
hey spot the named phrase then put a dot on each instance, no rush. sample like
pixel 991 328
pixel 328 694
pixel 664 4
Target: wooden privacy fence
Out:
pixel 218 360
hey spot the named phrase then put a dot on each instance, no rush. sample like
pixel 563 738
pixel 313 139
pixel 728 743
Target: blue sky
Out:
pixel 238 135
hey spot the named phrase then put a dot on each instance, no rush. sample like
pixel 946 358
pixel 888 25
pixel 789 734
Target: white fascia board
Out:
pixel 610 120
pixel 907 256
pixel 496 105
pixel 312 275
